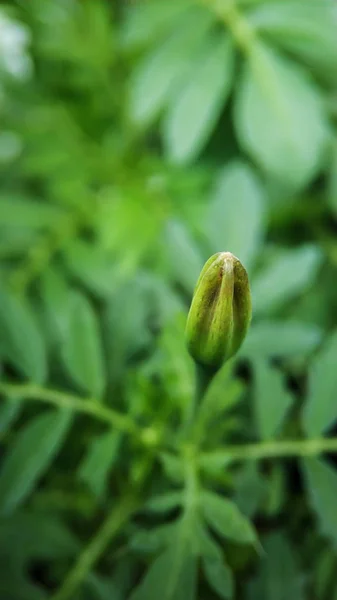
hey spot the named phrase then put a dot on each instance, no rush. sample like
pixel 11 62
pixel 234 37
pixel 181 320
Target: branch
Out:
pixel 65 400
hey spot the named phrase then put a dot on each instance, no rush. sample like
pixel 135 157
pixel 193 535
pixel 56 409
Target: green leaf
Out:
pixel 28 214
pixel 183 256
pixel 305 29
pixel 56 298
pixel 82 350
pixel 164 502
pixel 321 482
pixel 145 22
pixel 9 410
pixel 91 267
pixel 235 219
pixel 281 339
pixel 158 75
pixel 98 461
pixel 219 576
pixel 226 519
pixel 272 399
pixel 197 104
pixel 286 276
pixel 21 341
pixel 280 118
pixel 320 410
pixel 279 577
pixel 177 567
pixel 30 456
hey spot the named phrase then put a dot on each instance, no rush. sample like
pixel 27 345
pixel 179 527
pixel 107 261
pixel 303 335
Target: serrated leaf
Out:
pixel 235 218
pixel 21 340
pixel 82 350
pixel 320 411
pixel 321 481
pixel 195 108
pixel 289 274
pixel 280 118
pixel 30 456
pixel 272 399
pixel 158 74
pixel 99 459
pixel 281 339
pixel 226 519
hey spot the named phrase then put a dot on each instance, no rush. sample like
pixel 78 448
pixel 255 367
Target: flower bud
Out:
pixel 220 312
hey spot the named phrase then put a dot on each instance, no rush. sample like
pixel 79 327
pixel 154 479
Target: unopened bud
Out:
pixel 220 312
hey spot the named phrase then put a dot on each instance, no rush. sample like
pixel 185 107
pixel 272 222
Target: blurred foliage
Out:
pixel 136 139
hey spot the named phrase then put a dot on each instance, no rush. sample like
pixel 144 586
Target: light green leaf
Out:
pixel 28 214
pixel 226 519
pixel 56 298
pixel 320 411
pixel 219 576
pixel 90 266
pixel 305 29
pixel 286 276
pixel 99 459
pixel 332 183
pixel 280 118
pixel 236 212
pixel 321 481
pixel 197 104
pixel 30 456
pixel 272 399
pixel 157 76
pixel 281 339
pixel 183 256
pixel 164 502
pixel 145 22
pixel 82 350
pixel 21 341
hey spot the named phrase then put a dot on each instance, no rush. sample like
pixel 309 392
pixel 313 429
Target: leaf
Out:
pixel 280 118
pixel 219 576
pixel 173 466
pixel 320 411
pixel 196 106
pixel 279 577
pixel 321 482
pixel 225 518
pixel 307 30
pixel 156 77
pixel 183 256
pixel 289 274
pixel 250 489
pixel 177 567
pixel 82 350
pixel 280 339
pixel 9 410
pixel 149 21
pixel 272 399
pixel 21 341
pixel 235 213
pixel 56 298
pixel 29 214
pixel 98 461
pixel 164 502
pixel 90 266
pixel 30 456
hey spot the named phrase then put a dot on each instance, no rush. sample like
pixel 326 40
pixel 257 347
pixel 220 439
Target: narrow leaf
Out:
pixel 82 350
pixel 94 469
pixel 320 411
pixel 272 400
pixel 225 518
pixel 281 339
pixel 321 481
pixel 219 576
pixel 30 456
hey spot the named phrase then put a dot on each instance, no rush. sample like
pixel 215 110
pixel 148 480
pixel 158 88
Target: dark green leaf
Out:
pixel 98 461
pixel 9 410
pixel 219 576
pixel 321 481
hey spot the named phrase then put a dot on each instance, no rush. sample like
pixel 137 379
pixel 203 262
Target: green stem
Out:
pixel 111 526
pixel 204 377
pixel 64 400
pixel 265 450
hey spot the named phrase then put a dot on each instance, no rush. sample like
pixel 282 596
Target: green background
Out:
pixel 137 138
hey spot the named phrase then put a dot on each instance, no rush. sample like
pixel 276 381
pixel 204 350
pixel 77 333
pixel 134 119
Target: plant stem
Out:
pixel 64 400
pixel 265 450
pixel 204 377
pixel 114 522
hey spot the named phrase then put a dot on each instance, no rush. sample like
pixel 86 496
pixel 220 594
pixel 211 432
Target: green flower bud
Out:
pixel 220 312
